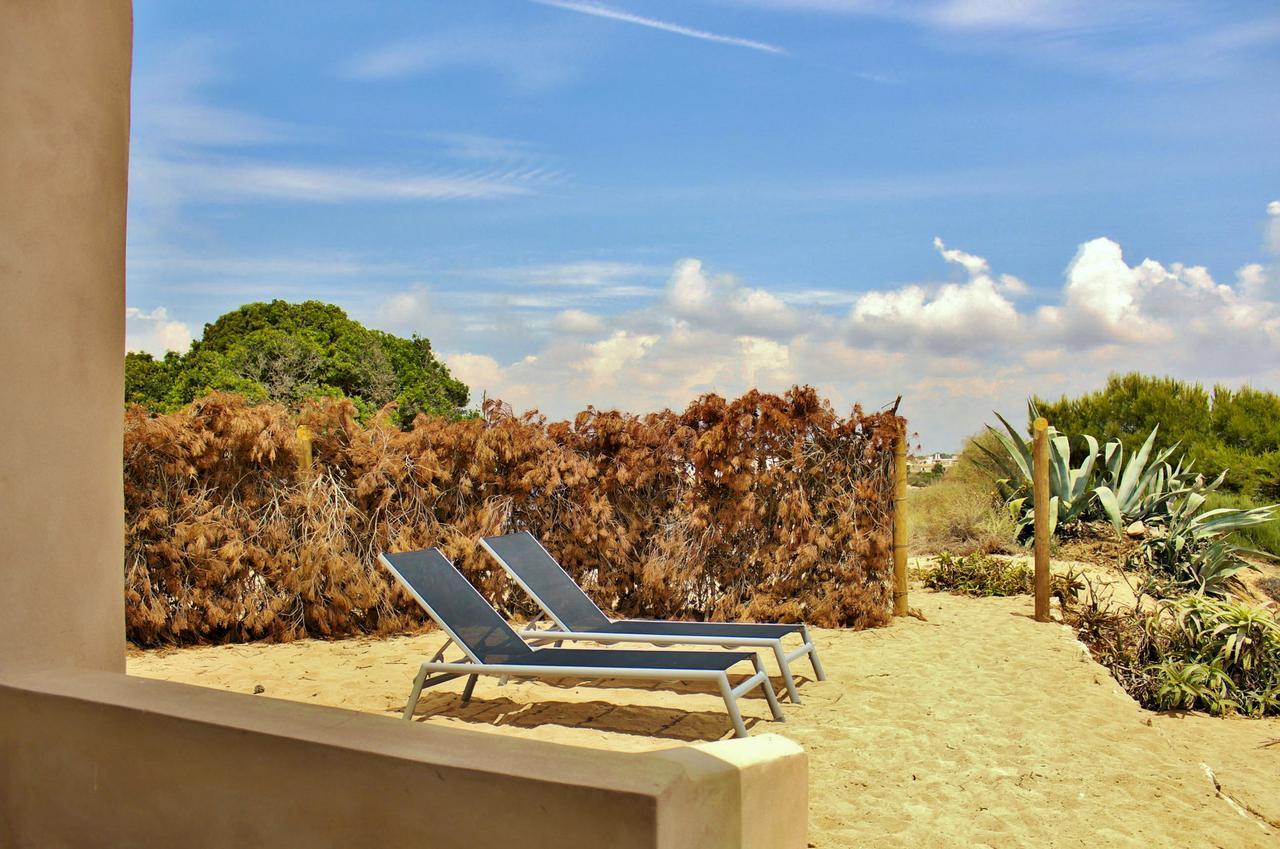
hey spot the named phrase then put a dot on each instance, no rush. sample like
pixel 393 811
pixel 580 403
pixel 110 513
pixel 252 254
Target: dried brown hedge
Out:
pixel 763 508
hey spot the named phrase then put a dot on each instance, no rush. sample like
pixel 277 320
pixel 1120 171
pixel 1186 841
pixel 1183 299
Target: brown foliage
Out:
pixel 763 508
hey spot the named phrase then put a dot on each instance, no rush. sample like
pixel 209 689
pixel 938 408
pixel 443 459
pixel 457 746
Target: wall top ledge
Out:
pixel 643 773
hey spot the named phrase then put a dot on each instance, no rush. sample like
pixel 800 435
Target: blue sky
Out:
pixel 632 202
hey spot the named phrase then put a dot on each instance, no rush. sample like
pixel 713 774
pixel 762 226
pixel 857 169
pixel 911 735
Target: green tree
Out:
pixel 1227 429
pixel 287 353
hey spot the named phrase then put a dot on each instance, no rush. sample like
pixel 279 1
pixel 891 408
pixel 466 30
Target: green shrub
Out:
pixel 978 575
pixel 1191 653
pixel 1226 428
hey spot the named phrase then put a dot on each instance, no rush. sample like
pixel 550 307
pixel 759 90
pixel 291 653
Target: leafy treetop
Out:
pixel 1235 429
pixel 288 353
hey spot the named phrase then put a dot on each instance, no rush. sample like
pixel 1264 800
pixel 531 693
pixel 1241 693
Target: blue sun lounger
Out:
pixel 578 618
pixel 491 647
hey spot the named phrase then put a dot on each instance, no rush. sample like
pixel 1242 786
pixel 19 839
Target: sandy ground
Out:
pixel 977 727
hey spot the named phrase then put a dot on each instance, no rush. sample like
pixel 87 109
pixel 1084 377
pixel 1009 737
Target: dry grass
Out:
pixel 962 512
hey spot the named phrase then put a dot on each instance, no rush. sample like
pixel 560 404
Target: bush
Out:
pixel 978 575
pixel 1236 429
pixel 766 507
pixel 1191 653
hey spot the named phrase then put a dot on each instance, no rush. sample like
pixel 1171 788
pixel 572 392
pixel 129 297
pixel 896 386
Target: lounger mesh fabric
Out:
pixel 637 659
pixel 541 573
pixel 697 629
pixel 447 593
pixel 460 608
pixel 529 561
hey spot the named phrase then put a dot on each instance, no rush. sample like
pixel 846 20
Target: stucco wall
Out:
pixel 99 759
pixel 92 757
pixel 64 136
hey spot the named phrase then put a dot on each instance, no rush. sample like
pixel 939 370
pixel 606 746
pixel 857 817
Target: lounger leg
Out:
pixel 813 654
pixel 731 705
pixel 417 691
pixel 772 698
pixel 467 690
pixel 790 683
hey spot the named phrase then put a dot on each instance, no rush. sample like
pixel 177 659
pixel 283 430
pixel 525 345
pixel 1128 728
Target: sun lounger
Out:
pixel 492 647
pixel 576 617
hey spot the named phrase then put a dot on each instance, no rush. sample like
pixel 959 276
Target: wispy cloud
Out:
pixel 589 273
pixel 229 181
pixel 1009 15
pixel 258 267
pixel 600 10
pixel 527 57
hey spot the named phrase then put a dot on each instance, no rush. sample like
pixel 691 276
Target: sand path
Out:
pixel 978 727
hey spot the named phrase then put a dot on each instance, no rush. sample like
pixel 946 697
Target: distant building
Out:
pixel 928 462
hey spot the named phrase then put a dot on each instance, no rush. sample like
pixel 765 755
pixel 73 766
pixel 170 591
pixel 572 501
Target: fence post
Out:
pixel 900 525
pixel 1040 494
pixel 304 449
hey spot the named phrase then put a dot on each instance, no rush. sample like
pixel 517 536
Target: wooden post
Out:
pixel 304 449
pixel 1040 494
pixel 900 525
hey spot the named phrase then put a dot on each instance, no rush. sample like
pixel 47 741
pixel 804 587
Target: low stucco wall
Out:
pixel 101 759
pixel 91 757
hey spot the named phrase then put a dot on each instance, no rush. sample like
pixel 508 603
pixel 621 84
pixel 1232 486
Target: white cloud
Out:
pixel 476 370
pixel 953 317
pixel 720 301
pixel 1273 226
pixel 1016 15
pixel 225 180
pixel 1144 40
pixel 578 323
pixel 582 274
pixel 975 265
pixel 606 360
pixel 954 350
pixel 600 10
pixel 526 57
pixel 154 332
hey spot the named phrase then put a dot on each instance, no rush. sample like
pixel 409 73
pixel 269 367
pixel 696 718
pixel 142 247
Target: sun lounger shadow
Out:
pixel 490 646
pixel 682 687
pixel 635 720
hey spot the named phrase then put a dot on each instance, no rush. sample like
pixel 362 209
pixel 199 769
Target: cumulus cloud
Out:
pixel 578 323
pixel 154 332
pixel 953 317
pixel 1273 226
pixel 955 350
pixel 720 300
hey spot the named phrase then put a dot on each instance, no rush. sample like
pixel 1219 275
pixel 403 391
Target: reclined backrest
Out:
pixel 451 600
pixel 539 573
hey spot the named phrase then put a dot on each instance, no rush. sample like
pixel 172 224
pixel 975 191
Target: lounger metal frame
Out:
pixel 560 633
pixel 473 667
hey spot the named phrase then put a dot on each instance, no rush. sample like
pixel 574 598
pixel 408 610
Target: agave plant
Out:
pixel 1189 546
pixel 1135 491
pixel 1070 492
